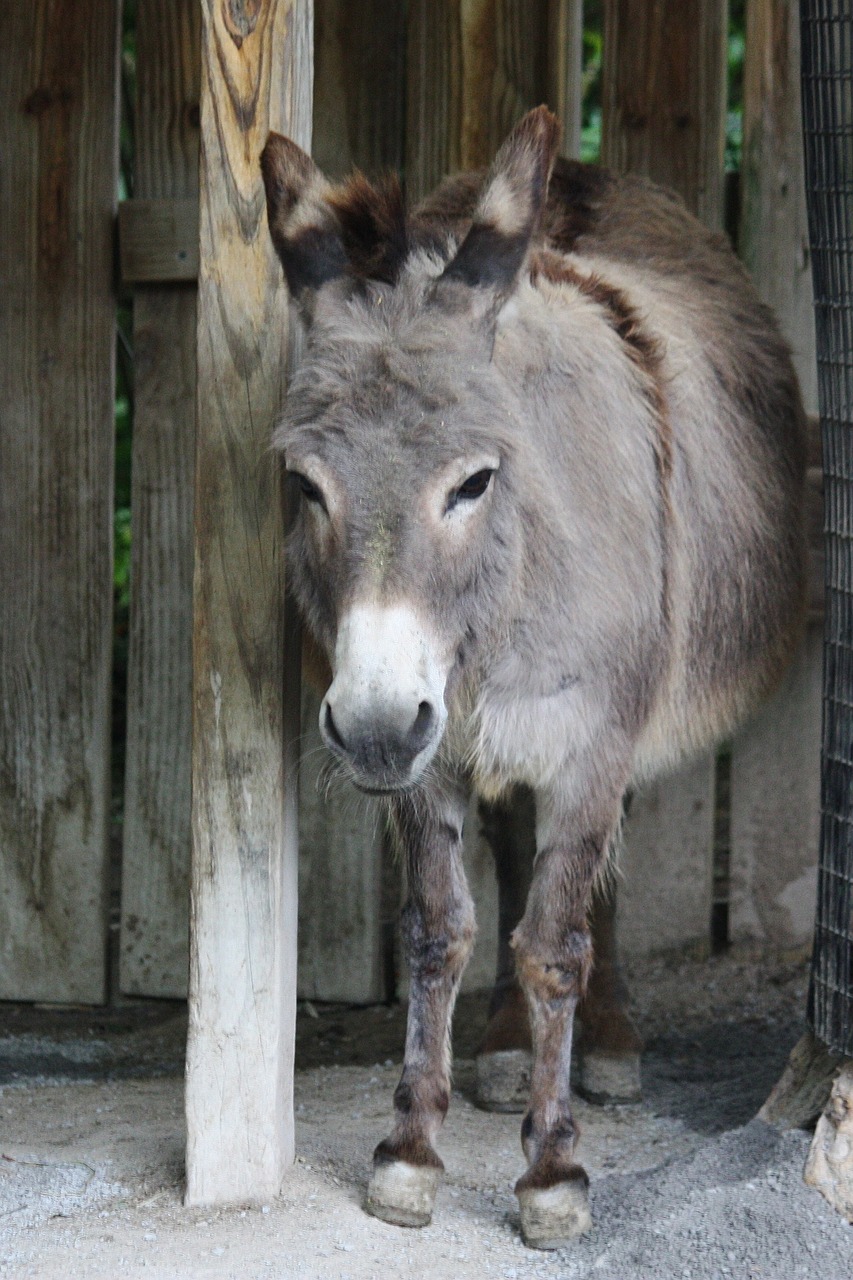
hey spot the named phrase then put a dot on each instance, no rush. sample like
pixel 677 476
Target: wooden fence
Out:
pixel 426 87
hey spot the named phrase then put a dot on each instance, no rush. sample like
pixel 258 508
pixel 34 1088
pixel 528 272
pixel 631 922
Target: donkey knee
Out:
pixel 553 973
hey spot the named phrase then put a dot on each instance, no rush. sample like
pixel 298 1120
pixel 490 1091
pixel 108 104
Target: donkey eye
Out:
pixel 310 490
pixel 474 487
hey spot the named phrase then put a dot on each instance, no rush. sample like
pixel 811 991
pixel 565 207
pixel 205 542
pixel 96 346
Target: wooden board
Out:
pixel 59 147
pixel 776 812
pixel 256 75
pixel 776 758
pixel 156 853
pixel 665 878
pixel 663 96
pixel 340 879
pixel 158 239
pixel 473 68
pixel 359 85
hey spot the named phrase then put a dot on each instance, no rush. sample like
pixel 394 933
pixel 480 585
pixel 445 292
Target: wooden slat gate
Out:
pixel 437 91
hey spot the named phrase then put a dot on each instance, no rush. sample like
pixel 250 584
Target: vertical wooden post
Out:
pixel 663 115
pixel 474 67
pixel 664 96
pixel 256 75
pixel 565 70
pixel 155 864
pixel 776 758
pixel 59 147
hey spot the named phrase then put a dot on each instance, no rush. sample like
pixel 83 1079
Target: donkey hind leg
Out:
pixel 438 933
pixel 609 1046
pixel 504 1059
pixel 554 956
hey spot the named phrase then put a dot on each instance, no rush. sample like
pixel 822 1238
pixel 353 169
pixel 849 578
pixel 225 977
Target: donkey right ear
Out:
pixel 304 228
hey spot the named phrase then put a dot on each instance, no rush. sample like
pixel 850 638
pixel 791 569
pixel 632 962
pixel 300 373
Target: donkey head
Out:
pixel 400 430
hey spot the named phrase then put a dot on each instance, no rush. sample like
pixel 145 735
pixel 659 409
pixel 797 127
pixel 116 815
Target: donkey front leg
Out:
pixel 554 956
pixel 438 934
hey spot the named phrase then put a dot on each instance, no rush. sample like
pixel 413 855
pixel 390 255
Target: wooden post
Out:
pixel 663 96
pixel 474 67
pixel 663 115
pixel 59 147
pixel 776 758
pixel 155 863
pixel 256 75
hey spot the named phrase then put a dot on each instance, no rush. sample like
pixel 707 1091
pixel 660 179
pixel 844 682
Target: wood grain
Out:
pixel 473 68
pixel 359 85
pixel 776 758
pixel 156 854
pixel 158 239
pixel 663 96
pixel 59 148
pixel 256 75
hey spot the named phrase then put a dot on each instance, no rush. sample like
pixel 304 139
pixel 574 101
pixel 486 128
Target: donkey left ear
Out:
pixel 509 210
pixel 304 228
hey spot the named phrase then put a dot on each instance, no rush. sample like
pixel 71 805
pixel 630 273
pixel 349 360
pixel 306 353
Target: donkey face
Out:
pixel 399 430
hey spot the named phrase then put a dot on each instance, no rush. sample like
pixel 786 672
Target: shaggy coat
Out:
pixel 551 448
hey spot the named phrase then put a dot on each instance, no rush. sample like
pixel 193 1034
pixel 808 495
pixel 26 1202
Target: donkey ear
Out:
pixel 509 210
pixel 304 229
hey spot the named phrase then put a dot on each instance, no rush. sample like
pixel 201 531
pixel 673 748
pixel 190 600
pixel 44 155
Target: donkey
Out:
pixel 551 456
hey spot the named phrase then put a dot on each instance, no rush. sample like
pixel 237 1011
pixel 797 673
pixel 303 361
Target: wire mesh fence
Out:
pixel 827 78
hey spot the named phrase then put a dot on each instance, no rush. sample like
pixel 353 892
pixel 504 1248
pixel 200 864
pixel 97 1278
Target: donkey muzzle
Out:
pixel 384 713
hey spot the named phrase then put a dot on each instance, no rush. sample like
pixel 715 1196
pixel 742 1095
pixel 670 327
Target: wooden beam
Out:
pixel 663 96
pixel 359 85
pixel 158 239
pixel 473 68
pixel 256 76
pixel 775 811
pixel 565 70
pixel 156 851
pixel 59 143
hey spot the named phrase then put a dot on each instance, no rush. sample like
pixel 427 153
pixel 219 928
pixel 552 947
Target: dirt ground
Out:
pixel 685 1184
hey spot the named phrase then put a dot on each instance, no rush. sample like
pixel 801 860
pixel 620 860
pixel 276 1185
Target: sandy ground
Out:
pixel 685 1184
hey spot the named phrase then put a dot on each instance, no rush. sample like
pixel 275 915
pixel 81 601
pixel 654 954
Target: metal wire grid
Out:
pixel 827 78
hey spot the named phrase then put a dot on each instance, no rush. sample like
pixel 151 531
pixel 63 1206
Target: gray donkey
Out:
pixel 551 453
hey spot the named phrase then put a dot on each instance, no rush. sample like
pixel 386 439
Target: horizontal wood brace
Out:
pixel 158 241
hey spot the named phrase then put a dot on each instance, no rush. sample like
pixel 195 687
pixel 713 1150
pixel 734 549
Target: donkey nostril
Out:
pixel 421 730
pixel 332 729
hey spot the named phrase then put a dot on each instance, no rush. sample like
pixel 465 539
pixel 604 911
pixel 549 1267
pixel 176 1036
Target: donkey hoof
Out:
pixel 609 1077
pixel 402 1193
pixel 553 1216
pixel 502 1080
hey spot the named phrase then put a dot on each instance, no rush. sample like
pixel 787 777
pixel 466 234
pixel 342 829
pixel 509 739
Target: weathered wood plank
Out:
pixel 256 75
pixel 474 67
pixel 663 96
pixel 776 758
pixel 158 239
pixel 666 868
pixel 359 85
pixel 59 147
pixel 663 105
pixel 565 70
pixel 156 854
